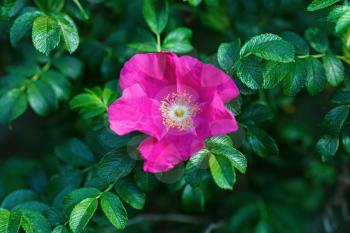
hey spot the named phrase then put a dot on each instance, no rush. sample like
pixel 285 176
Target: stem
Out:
pixel 309 55
pixel 214 226
pixel 165 218
pixel 82 11
pixel 159 46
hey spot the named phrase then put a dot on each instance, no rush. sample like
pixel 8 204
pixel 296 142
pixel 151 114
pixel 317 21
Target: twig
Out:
pixel 214 226
pixel 166 218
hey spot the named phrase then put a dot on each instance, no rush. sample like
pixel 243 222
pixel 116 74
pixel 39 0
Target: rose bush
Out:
pixel 174 116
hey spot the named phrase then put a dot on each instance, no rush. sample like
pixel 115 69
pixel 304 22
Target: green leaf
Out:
pixel 130 193
pixel 315 76
pixel 318 39
pixel 60 85
pixel 218 141
pixel 196 168
pixel 76 196
pixel 327 146
pixel 296 78
pixel 18 197
pixel 341 97
pixel 145 181
pixel 194 2
pixel 69 32
pixel 335 73
pixel 32 206
pixel 320 4
pixel 237 159
pixel 9 221
pixel 82 213
pixel 222 171
pixel 13 104
pixel 115 164
pixel 75 152
pixel 255 113
pixel 192 198
pixel 46 34
pixel 34 222
pixel 178 40
pixel 334 119
pixel 41 97
pixel 156 14
pixel 22 25
pixel 114 210
pixel 69 66
pixel 249 72
pixel 273 73
pixel 297 41
pixel 228 54
pixel 336 13
pixel 270 47
pixel 60 229
pixel 261 143
pixel 144 41
pixel 346 139
pixel 343 22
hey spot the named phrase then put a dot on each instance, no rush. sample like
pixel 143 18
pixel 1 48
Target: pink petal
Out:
pixel 215 120
pixel 152 71
pixel 206 79
pixel 163 155
pixel 134 111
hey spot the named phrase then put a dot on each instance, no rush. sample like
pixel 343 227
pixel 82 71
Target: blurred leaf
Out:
pixel 346 139
pixel 22 25
pixel 255 114
pixel 46 34
pixel 41 97
pixel 320 4
pixel 75 152
pixel 334 119
pixel 317 39
pixel 335 73
pixel 228 54
pixel 156 14
pixel 261 142
pixel 270 47
pixel 192 199
pixel 13 104
pixel 341 97
pixel 69 66
pixel 343 22
pixel 18 197
pixel 316 77
pixel 145 181
pixel 130 193
pixel 327 146
pixel 60 85
pixel 222 171
pixel 297 41
pixel 114 210
pixel 178 40
pixel 194 2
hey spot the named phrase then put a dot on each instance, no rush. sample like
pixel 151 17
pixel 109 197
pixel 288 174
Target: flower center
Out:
pixel 178 111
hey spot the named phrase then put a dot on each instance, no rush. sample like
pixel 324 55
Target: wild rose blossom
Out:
pixel 177 101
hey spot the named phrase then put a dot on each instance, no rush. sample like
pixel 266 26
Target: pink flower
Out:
pixel 177 101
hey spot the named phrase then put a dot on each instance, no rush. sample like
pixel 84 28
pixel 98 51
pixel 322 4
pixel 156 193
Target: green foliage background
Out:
pixel 286 169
